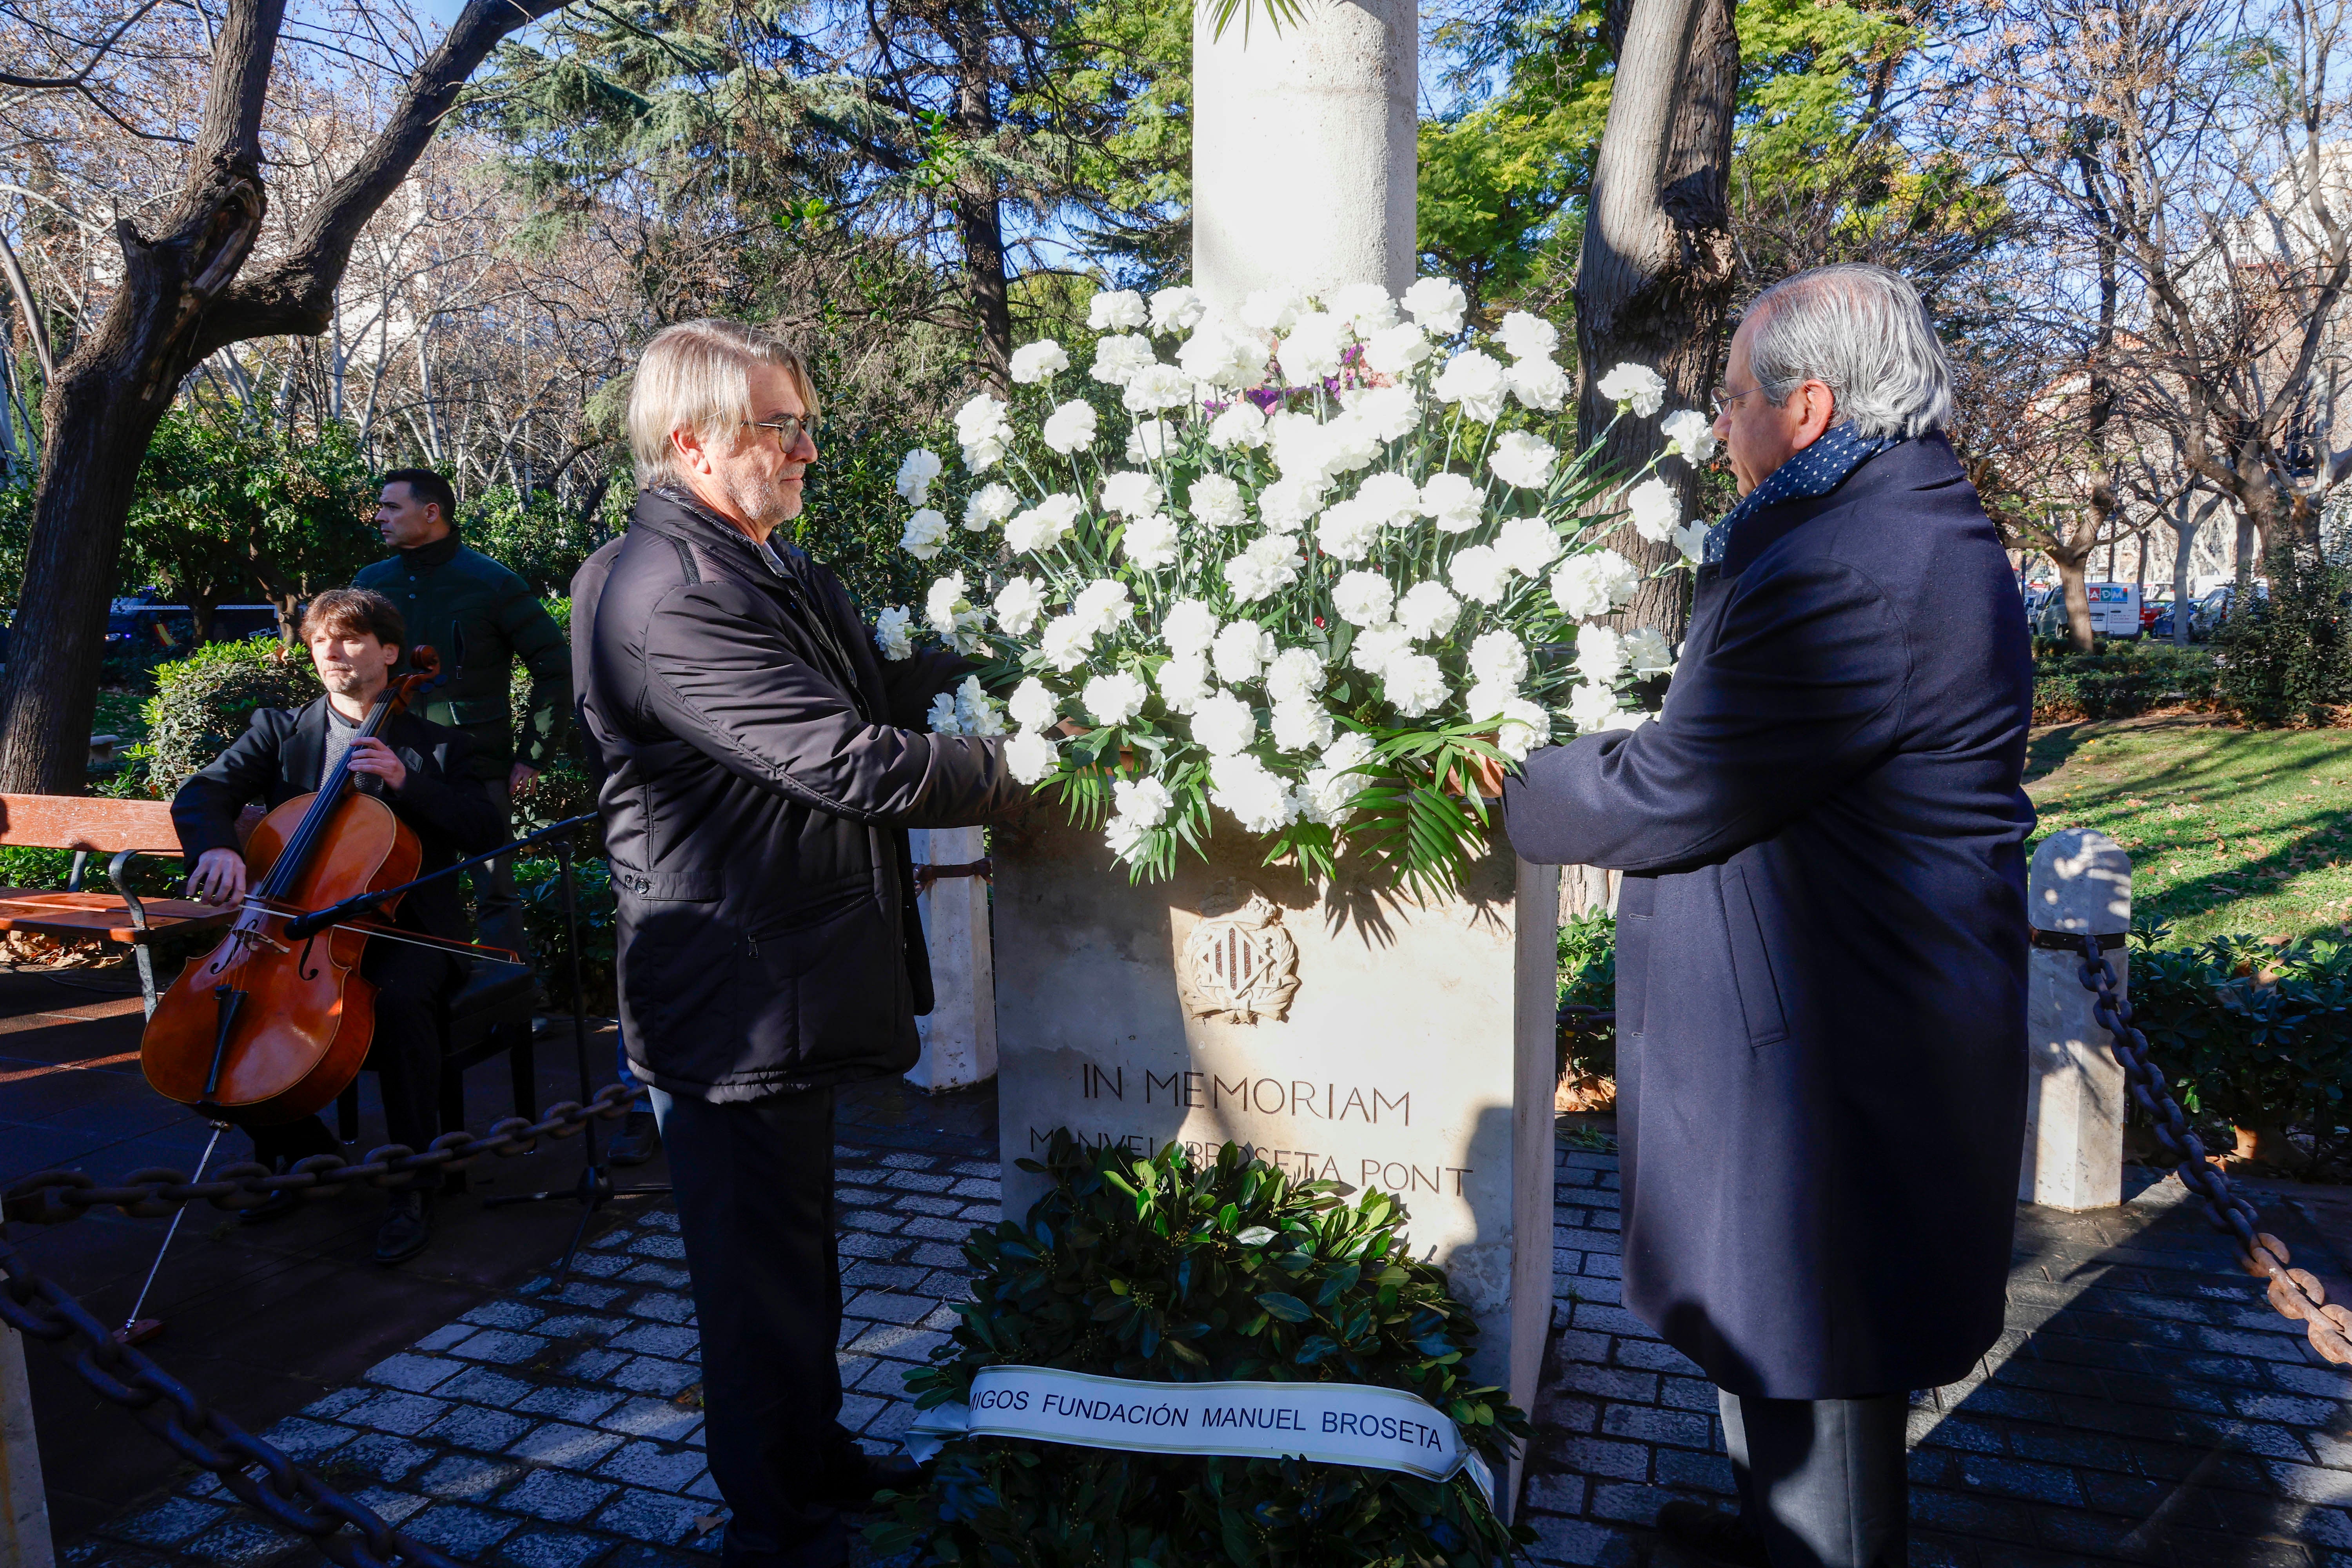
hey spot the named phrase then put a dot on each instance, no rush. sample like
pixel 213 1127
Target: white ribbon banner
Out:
pixel 1335 1423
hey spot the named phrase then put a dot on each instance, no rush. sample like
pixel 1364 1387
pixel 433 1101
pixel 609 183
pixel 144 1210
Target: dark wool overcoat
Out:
pixel 1821 942
pixel 760 765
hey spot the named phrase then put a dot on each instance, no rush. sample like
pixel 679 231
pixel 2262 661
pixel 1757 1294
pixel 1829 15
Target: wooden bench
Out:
pixel 90 825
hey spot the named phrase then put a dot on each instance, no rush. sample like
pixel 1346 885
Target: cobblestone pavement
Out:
pixel 2145 1404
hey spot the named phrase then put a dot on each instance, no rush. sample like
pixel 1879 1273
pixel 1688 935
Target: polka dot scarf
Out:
pixel 1815 471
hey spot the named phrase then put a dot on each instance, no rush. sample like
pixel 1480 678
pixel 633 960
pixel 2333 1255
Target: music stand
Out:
pixel 595 1189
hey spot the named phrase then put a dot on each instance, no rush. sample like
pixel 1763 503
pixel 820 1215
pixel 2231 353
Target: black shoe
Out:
pixel 889 1473
pixel 639 1142
pixel 1720 1537
pixel 404 1231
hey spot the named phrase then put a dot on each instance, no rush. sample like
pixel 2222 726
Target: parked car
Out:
pixel 175 626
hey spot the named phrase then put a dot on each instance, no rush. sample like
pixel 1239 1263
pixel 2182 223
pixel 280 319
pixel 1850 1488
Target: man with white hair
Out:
pixel 760 768
pixel 1821 935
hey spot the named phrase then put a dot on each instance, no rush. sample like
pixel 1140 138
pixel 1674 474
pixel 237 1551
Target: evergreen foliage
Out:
pixel 1173 1270
pixel 2286 657
pixel 205 700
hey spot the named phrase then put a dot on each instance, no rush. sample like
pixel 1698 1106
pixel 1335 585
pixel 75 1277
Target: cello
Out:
pixel 268 1029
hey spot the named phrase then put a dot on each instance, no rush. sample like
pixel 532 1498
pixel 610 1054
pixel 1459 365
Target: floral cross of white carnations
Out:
pixel 1339 555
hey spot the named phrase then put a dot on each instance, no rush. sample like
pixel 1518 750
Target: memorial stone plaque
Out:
pixel 1339 1031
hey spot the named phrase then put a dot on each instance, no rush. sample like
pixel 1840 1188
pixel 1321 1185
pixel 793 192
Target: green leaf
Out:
pixel 1287 1308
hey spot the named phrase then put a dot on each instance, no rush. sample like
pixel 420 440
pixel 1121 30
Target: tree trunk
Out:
pixel 979 220
pixel 1654 282
pixel 2078 599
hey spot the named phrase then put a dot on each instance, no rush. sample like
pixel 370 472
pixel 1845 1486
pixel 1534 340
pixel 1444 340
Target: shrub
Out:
pixel 2246 1033
pixel 1169 1269
pixel 1588 978
pixel 540 884
pixel 205 700
pixel 2287 657
pixel 2122 679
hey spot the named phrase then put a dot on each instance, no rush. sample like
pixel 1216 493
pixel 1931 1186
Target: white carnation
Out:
pixel 1268 566
pixel 917 470
pixel 1149 541
pixel 1690 539
pixel 1648 653
pixel 1331 788
pixel 926 530
pixel 1528 544
pixel 1030 755
pixel 1523 725
pixel 1594 584
pixel 1690 435
pixel 1348 530
pixel 1599 654
pixel 1033 705
pixel 1070 428
pixel 1539 384
pixel 1144 802
pixel 1364 599
pixel 1217 501
pixel 1126 837
pixel 1118 361
pixel 1654 510
pixel 1148 441
pixel 1044 525
pixel 1350 441
pixel 1102 605
pixel 1120 311
pixel 1154 387
pixel 1414 684
pixel 988 505
pixel 1301 726
pixel 1498 658
pixel 1479 572
pixel 1394 496
pixel 948 613
pixel 1221 356
pixel 977 714
pixel 1018 604
pixel 1527 337
pixel 1312 350
pixel 1247 788
pixel 1474 381
pixel 1184 682
pixel 1189 626
pixel 1523 459
pixel 1064 642
pixel 1437 303
pixel 1366 307
pixel 1294 676
pixel 1427 610
pixel 1592 707
pixel 1385 414
pixel 891 632
pixel 1241 650
pixel 1225 724
pixel 1114 698
pixel 1130 493
pixel 1241 425
pixel 1637 385
pixel 1396 350
pixel 1285 505
pixel 1177 310
pixel 1041 361
pixel 1376 646
pixel 1272 310
pixel 1455 500
pixel 942 719
pixel 981 430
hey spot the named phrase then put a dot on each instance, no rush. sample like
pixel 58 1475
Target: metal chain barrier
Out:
pixel 282 1491
pixel 2294 1292
pixel 53 1197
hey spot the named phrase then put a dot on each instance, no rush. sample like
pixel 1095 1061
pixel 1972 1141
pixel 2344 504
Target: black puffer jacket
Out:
pixel 761 765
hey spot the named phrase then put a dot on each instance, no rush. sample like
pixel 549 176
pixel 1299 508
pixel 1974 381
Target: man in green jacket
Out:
pixel 472 609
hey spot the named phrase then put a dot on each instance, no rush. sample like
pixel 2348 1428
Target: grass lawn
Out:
pixel 2229 830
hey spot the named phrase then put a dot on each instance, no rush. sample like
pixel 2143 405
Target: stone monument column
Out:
pixel 2075 1088
pixel 1304 148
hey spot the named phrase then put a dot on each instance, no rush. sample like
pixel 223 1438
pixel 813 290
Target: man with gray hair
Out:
pixel 1821 935
pixel 759 766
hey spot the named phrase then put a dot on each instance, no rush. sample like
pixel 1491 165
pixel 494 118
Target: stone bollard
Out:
pixel 959 1035
pixel 2074 1094
pixel 23 1508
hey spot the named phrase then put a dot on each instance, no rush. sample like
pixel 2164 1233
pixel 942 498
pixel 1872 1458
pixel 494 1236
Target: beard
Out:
pixel 765 500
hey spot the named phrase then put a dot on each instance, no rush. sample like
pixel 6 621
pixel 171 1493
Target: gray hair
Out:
pixel 1862 332
pixel 696 376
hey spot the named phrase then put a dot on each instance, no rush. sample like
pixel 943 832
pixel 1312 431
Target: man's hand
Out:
pixel 219 877
pixel 369 755
pixel 521 780
pixel 1486 774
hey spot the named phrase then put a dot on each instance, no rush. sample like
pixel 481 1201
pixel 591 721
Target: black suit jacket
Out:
pixel 280 756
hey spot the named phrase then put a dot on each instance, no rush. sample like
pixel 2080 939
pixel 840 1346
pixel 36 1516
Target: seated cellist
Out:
pixel 418 768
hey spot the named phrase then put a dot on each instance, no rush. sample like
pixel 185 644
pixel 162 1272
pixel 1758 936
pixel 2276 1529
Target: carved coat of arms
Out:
pixel 1239 965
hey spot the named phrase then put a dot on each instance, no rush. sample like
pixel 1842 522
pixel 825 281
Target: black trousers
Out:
pixel 753 1183
pixel 1823 1480
pixel 413 987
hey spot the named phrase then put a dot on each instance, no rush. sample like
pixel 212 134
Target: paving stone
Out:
pixel 658 1274
pixel 890 1307
pixel 480 1385
pixel 381 1457
pixel 553 1549
pixel 442 1337
pixel 598 1264
pixel 466 1475
pixel 561 1443
pixel 656 1418
pixel 170 1524
pixel 470 1427
pixel 908 1162
pixel 566 1403
pixel 463 1532
pixel 649 1465
pixel 337 1402
pixel 407 1413
pixel 580 1326
pixel 659 1338
pixel 651 1517
pixel 304 1440
pixel 652 1374
pixel 596 1365
pixel 502 1315
pixel 500 1347
pixel 666 1306
pixel 579 1293
pixel 558 1496
pixel 242 1541
pixel 657 1247
pixel 389 1506
pixel 906 1344
pixel 922 1203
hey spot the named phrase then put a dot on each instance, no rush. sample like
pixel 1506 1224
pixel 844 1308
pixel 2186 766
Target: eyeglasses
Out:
pixel 789 428
pixel 1726 400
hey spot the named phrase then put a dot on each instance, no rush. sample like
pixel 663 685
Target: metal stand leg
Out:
pixel 136 1329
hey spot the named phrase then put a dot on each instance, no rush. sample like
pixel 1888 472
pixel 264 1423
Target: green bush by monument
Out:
pixel 204 701
pixel 2120 680
pixel 2287 657
pixel 1171 1269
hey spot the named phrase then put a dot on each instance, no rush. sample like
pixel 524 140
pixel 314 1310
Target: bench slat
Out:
pixel 64 915
pixel 94 823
